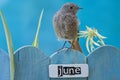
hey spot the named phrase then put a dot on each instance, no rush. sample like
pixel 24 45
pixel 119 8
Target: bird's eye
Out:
pixel 71 7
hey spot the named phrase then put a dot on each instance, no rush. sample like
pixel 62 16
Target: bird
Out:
pixel 66 24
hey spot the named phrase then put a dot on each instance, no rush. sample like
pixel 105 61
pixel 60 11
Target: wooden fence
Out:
pixel 32 64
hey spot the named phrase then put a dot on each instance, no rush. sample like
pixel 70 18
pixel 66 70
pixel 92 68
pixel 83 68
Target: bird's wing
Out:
pixel 72 24
pixel 70 21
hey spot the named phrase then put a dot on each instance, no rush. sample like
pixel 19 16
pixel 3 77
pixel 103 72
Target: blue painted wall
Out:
pixel 22 18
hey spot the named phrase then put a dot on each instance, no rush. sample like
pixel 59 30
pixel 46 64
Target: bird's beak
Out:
pixel 80 8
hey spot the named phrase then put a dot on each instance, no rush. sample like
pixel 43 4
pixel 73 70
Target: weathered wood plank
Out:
pixel 67 56
pixel 4 66
pixel 104 64
pixel 31 64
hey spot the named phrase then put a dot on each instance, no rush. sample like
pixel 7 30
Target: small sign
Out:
pixel 68 70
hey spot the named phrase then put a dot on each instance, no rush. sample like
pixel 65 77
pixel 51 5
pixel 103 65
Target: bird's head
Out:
pixel 70 8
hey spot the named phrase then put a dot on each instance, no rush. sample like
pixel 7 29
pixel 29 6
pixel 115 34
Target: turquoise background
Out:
pixel 22 18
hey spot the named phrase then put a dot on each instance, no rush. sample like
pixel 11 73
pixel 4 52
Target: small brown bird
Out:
pixel 66 24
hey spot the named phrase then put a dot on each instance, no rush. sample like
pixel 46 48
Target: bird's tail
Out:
pixel 76 45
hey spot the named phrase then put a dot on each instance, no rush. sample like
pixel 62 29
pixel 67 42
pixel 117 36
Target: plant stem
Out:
pixel 10 47
pixel 35 43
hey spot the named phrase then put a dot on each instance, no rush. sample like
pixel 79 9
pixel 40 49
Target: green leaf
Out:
pixel 10 46
pixel 35 42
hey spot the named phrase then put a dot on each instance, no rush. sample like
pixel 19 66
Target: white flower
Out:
pixel 91 34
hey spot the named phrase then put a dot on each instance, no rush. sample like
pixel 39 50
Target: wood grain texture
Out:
pixel 4 66
pixel 104 64
pixel 67 56
pixel 31 64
